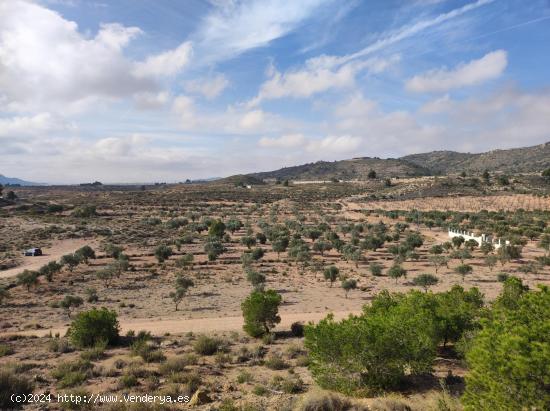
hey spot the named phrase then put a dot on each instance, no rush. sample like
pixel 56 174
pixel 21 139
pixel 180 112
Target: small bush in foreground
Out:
pixel 509 358
pixel 394 337
pixel 327 401
pixel 206 345
pixel 11 383
pixel 92 327
pixel 260 312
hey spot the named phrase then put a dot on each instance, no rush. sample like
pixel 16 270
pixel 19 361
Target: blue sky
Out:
pixel 158 90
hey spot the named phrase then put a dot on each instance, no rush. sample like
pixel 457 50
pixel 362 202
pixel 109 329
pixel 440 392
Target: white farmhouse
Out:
pixel 483 238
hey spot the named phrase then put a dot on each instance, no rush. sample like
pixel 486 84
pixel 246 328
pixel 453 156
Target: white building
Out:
pixel 483 238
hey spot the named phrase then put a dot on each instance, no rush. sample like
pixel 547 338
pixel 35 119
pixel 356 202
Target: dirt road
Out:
pixel 161 326
pixel 55 252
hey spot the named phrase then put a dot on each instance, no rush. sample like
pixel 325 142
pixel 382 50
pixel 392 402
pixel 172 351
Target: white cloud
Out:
pixel 233 28
pixel 489 67
pixel 148 101
pixel 252 119
pixel 116 36
pixel 318 74
pixel 285 141
pixel 436 106
pixel 167 63
pixel 209 87
pixel 47 64
pixel 332 145
pixel 507 118
pixel 381 132
pixel 35 125
pixel 232 121
pixel 184 108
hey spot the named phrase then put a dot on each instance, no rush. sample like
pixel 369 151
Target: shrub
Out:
pixel 509 358
pixel 259 390
pixel 244 376
pixel 172 365
pixel 260 312
pixel 12 383
pixel 85 211
pixel 5 349
pixel 375 269
pixel 289 385
pixel 60 345
pixel 457 312
pixel 147 351
pixel 94 353
pixel 93 326
pixel 327 401
pixel 395 336
pixel 297 329
pixel 502 277
pixel 70 374
pixel 163 253
pixel 127 381
pixel 206 345
pixel 275 362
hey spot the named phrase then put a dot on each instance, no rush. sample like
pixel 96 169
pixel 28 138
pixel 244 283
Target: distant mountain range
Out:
pixel 16 181
pixel 517 160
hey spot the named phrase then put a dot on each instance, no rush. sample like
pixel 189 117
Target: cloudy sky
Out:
pixel 164 90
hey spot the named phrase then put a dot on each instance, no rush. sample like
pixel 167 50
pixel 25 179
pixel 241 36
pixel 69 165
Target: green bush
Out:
pixel 173 365
pixel 91 327
pixel 327 401
pixel 510 357
pixel 394 337
pixel 206 345
pixel 260 312
pixel 5 349
pixel 150 353
pixel 70 374
pixel 275 362
pixel 12 383
pixel 127 381
pixel 95 353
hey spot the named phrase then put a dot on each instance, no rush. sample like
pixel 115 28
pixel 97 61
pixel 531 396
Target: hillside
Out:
pixel 518 160
pixel 357 168
pixel 16 181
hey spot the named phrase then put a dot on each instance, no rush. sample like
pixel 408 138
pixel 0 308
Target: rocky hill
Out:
pixel 356 168
pixel 518 160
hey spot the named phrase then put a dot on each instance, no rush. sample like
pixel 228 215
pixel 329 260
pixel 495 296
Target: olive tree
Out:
pixel 163 253
pixel 181 287
pixel 348 284
pixel 425 281
pixel 331 274
pixel 463 270
pixel 28 278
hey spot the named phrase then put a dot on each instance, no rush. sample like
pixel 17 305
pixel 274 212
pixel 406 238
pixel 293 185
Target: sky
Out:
pixel 165 90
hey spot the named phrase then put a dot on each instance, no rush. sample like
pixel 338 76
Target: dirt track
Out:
pixel 197 325
pixel 55 252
